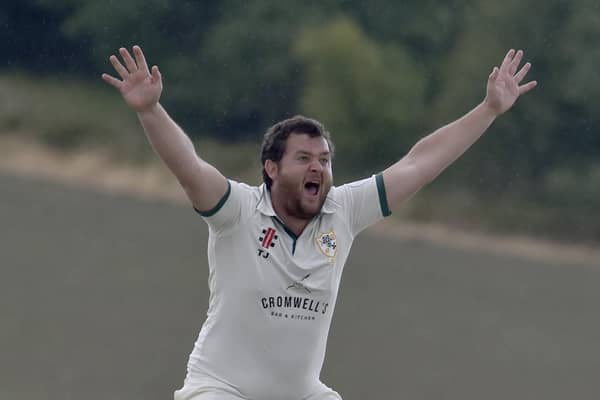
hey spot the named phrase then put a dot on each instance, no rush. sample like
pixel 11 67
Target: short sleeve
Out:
pixel 364 202
pixel 228 210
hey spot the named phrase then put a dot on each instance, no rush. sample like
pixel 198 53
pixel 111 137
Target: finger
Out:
pixel 156 75
pixel 515 62
pixel 507 59
pixel 140 59
pixel 527 87
pixel 494 75
pixel 522 72
pixel 129 61
pixel 121 70
pixel 111 80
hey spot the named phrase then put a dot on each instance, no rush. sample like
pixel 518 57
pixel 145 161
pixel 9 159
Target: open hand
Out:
pixel 503 87
pixel 139 87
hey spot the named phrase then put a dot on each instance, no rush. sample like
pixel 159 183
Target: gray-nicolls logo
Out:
pixel 267 239
pixel 299 284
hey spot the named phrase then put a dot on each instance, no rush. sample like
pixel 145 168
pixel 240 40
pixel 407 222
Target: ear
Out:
pixel 271 168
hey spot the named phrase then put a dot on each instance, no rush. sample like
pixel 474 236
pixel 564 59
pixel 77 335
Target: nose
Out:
pixel 315 166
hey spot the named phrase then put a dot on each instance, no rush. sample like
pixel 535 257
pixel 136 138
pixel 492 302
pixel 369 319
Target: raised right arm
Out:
pixel 141 89
pixel 203 183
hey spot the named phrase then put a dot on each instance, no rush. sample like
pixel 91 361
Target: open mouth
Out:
pixel 312 188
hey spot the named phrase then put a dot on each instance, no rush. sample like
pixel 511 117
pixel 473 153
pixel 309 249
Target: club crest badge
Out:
pixel 327 244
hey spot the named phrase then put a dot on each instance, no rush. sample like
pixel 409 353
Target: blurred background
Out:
pixel 379 74
pixel 94 269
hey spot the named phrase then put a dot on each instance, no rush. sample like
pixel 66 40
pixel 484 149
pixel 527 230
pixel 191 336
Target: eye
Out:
pixel 303 157
pixel 324 161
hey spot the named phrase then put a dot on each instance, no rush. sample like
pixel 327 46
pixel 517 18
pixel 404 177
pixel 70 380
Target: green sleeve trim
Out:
pixel 216 208
pixel 385 210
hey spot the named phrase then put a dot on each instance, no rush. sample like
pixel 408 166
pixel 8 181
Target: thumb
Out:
pixel 494 74
pixel 156 75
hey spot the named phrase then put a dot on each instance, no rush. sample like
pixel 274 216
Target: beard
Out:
pixel 298 204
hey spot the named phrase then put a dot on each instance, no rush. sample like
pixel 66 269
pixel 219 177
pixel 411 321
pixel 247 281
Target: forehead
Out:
pixel 304 142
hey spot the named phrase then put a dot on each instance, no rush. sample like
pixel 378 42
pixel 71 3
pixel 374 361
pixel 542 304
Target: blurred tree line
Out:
pixel 380 74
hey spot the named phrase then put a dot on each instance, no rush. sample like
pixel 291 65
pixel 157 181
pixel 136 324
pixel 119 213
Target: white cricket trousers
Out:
pixel 196 391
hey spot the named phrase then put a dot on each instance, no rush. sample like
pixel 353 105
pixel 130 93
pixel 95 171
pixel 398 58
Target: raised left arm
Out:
pixel 435 152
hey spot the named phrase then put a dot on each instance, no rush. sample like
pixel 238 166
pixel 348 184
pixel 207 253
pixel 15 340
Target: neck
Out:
pixel 293 223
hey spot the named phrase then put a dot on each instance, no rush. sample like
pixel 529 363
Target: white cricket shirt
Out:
pixel 272 294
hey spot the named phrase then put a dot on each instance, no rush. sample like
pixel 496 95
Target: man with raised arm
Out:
pixel 276 252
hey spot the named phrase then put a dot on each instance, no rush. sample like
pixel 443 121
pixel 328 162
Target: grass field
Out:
pixel 102 297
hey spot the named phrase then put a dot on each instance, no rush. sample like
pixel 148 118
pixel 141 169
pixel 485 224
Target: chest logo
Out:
pixel 267 240
pixel 327 244
pixel 300 284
